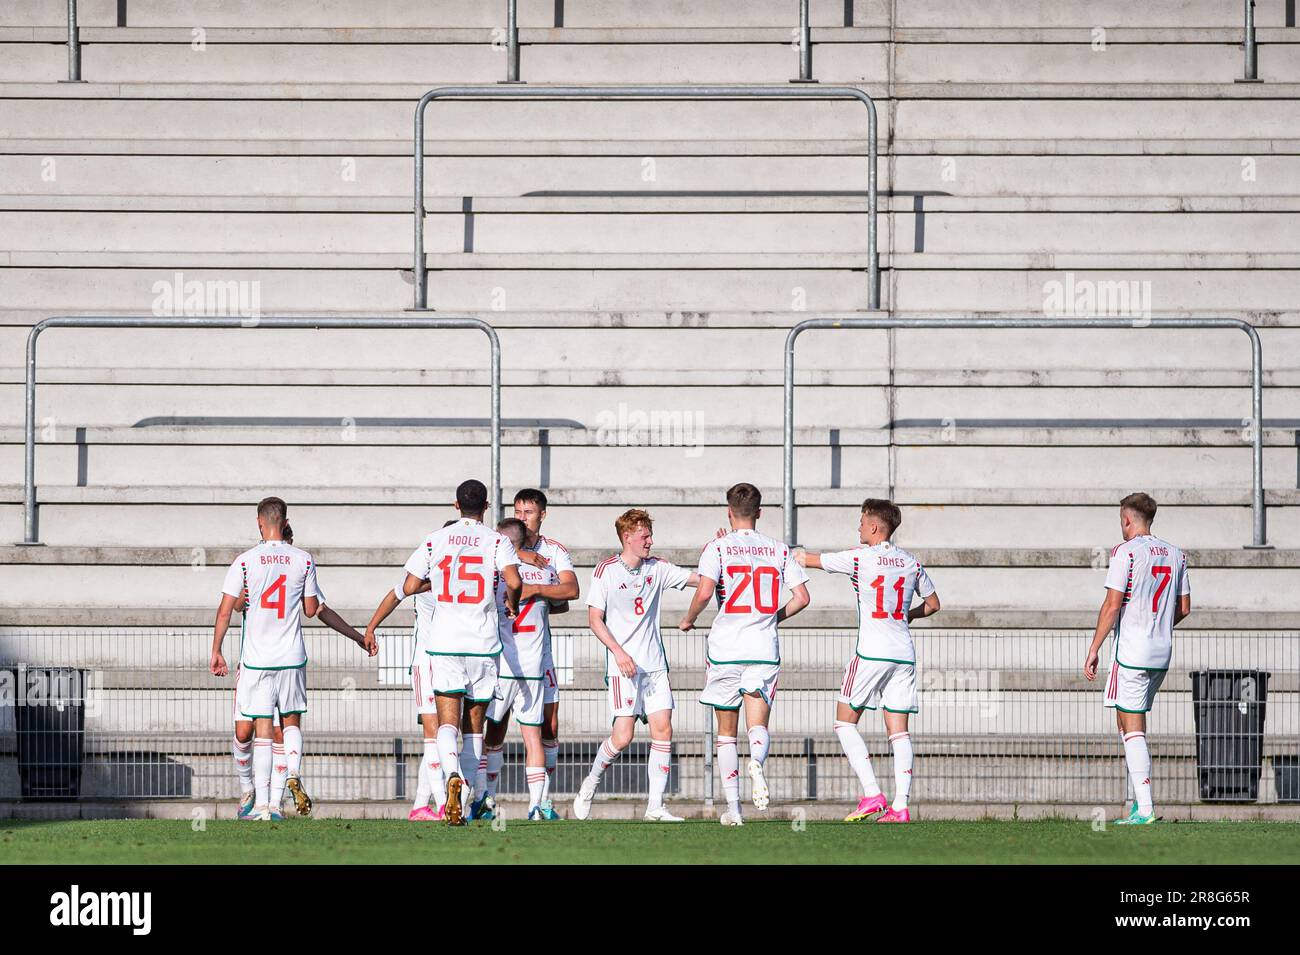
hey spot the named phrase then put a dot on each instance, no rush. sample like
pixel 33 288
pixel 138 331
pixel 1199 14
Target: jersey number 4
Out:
pixel 473 595
pixel 767 584
pixel 274 597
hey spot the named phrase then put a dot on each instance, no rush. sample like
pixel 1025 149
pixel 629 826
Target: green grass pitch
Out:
pixel 303 841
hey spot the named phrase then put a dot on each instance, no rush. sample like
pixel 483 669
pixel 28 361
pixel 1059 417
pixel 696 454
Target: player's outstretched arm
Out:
pixel 808 559
pixel 799 599
pixel 1106 618
pixel 216 662
pixel 927 608
pixel 596 620
pixel 703 594
pixel 336 623
pixel 411 585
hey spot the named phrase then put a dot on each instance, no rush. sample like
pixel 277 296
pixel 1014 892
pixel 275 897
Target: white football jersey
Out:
pixel 631 604
pixel 750 571
pixel 457 616
pixel 885 578
pixel 525 638
pixel 1151 574
pixel 560 561
pixel 276 576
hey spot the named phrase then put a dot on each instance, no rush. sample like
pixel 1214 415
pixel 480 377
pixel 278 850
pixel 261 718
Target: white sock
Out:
pixel 536 782
pixel 293 748
pixel 262 772
pixel 729 770
pixel 424 779
pixel 1138 757
pixel 902 744
pixel 605 755
pixel 494 758
pixel 855 748
pixel 759 743
pixel 657 769
pixel 551 750
pixel 471 754
pixel 448 750
pixel 279 774
pixel 243 754
pixel 1128 779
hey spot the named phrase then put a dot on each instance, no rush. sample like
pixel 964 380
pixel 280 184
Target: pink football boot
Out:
pixel 868 806
pixel 423 814
pixel 901 815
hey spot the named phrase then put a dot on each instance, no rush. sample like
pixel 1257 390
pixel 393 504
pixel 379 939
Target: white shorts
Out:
pixel 726 683
pixel 476 677
pixel 1132 691
pixel 234 705
pixel 869 684
pixel 550 685
pixel 262 693
pixel 640 696
pixel 522 696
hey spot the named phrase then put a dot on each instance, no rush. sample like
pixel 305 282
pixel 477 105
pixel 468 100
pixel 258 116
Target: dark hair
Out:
pixel 471 498
pixel 744 499
pixel 449 523
pixel 287 533
pixel 1142 504
pixel 515 529
pixel 273 511
pixel 530 495
pixel 886 512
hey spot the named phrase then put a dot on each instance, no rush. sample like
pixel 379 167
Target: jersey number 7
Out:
pixel 1163 573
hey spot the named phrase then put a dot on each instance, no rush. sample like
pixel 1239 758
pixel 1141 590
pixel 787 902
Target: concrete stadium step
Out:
pixel 1053 112
pixel 1008 14
pixel 307 286
pixel 415 462
pixel 442 13
pixel 544 236
pixel 506 181
pixel 582 518
pixel 768 58
pixel 963 414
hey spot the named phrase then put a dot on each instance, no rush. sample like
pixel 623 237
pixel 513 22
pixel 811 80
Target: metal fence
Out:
pixel 1005 717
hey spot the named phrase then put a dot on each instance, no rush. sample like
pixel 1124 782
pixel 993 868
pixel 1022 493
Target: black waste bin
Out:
pixel 1229 707
pixel 50 723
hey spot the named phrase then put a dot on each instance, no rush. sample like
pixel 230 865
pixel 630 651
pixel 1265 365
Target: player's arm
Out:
pixel 565 590
pixel 703 594
pixel 216 662
pixel 1106 618
pixel 336 623
pixel 1183 610
pixel 808 559
pixel 514 585
pixel 596 620
pixel 410 585
pixel 799 599
pixel 310 605
pixel 927 608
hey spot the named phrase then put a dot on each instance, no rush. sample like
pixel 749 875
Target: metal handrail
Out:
pixel 1251 49
pixel 1257 382
pixel 74 44
pixel 644 92
pixel 212 321
pixel 805 45
pixel 512 41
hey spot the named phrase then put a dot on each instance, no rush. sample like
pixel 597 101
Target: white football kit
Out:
pixel 560 561
pixel 523 660
pixel 456 619
pixel 882 671
pixel 630 601
pixel 272 673
pixel 744 654
pixel 1151 574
